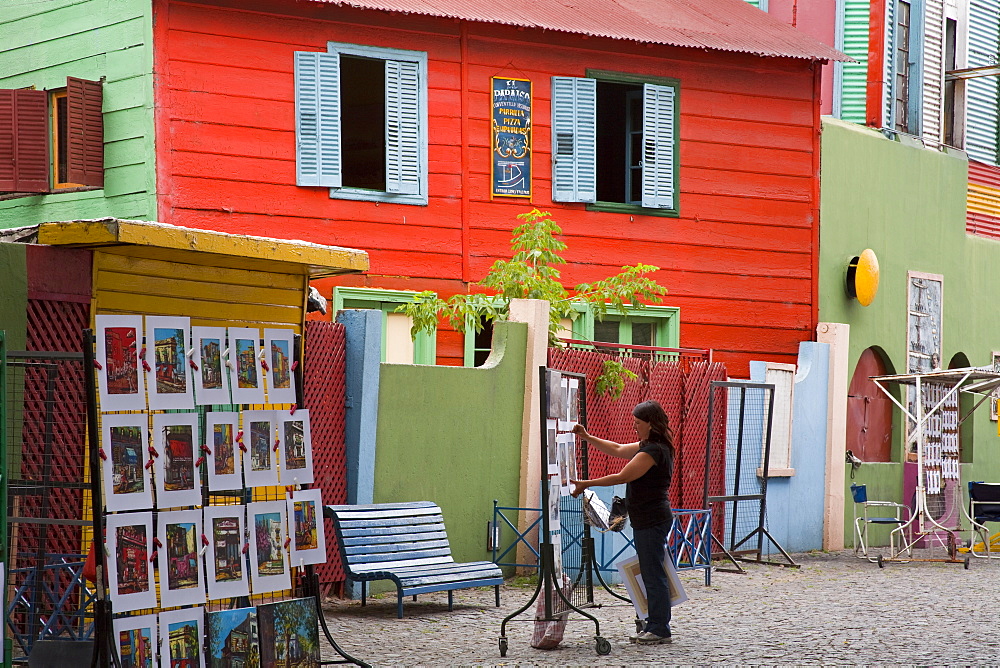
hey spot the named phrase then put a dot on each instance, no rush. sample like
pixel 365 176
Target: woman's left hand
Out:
pixel 577 487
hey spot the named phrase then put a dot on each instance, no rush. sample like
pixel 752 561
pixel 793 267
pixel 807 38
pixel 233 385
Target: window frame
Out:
pixel 56 141
pixel 424 345
pixel 667 318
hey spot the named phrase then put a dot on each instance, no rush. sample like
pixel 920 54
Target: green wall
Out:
pixel 907 204
pixel 14 294
pixel 452 435
pixel 42 43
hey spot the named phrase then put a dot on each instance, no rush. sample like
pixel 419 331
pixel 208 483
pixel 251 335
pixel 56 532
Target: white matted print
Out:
pixel 211 382
pixel 246 381
pixel 168 378
pixel 552 446
pixel 567 460
pixel 226 571
pixel 127 483
pixel 135 640
pixel 296 448
pixel 182 580
pixel 632 578
pixel 260 461
pixel 128 546
pixel 181 633
pixel 120 381
pixel 269 570
pixel 225 470
pixel 178 480
pixel 305 526
pixel 279 350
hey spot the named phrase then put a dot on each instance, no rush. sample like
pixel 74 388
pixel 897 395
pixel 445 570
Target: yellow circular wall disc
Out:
pixel 866 277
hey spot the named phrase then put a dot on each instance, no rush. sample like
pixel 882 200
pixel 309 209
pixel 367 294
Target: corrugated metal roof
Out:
pixel 723 25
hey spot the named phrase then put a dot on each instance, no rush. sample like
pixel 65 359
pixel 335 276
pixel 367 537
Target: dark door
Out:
pixel 869 411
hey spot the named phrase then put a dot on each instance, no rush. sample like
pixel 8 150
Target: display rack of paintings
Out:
pixel 121 384
pixel 226 571
pixel 225 468
pixel 305 525
pixel 296 448
pixel 269 567
pixel 211 382
pixel 124 455
pixel 182 580
pixel 260 461
pixel 181 633
pixel 174 451
pixel 168 376
pixel 279 345
pixel 246 378
pixel 130 545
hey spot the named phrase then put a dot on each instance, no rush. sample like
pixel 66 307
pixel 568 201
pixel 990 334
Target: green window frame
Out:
pixel 666 318
pixel 424 345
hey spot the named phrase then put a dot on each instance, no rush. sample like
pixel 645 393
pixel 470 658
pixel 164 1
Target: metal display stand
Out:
pixel 549 585
pixel 921 524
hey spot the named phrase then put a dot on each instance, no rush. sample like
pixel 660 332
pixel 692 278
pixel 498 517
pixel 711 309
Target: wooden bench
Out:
pixel 405 543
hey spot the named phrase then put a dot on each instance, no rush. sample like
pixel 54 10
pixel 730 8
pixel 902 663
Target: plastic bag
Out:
pixel 548 633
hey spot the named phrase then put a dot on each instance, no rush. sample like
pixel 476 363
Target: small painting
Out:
pixel 182 581
pixel 305 516
pixel 553 382
pixel 233 639
pixel 567 460
pixel 225 471
pixel 552 445
pixel 296 448
pixel 121 385
pixel 245 372
pixel 178 480
pixel 135 641
pixel 289 634
pixel 260 466
pixel 269 567
pixel 168 375
pixel 127 484
pixel 211 380
pixel 180 638
pixel 226 562
pixel 279 347
pixel 128 544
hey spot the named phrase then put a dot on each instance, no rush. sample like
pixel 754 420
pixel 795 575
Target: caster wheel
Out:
pixel 881 564
pixel 503 647
pixel 966 563
pixel 603 646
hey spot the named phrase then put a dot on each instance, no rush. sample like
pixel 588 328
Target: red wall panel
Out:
pixel 738 261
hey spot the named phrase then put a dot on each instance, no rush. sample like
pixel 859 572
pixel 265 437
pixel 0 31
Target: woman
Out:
pixel 648 473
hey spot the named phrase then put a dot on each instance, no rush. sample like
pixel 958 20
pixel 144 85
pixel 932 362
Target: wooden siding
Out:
pixel 88 39
pixel 739 261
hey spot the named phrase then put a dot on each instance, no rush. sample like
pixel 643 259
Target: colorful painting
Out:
pixel 128 544
pixel 305 516
pixel 178 480
pixel 289 634
pixel 124 454
pixel 268 556
pixel 224 466
pixel 233 639
pixel 182 581
pixel 168 373
pixel 226 561
pixel 208 349
pixel 120 382
pixel 279 345
pixel 296 450
pixel 260 465
pixel 181 638
pixel 135 641
pixel 245 379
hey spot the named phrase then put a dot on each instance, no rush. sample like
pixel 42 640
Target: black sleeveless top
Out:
pixel 648 502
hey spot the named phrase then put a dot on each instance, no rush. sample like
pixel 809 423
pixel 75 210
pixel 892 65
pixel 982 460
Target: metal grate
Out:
pixel 324 395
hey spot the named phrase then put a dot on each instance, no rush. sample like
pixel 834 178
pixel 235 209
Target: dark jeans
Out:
pixel 650 548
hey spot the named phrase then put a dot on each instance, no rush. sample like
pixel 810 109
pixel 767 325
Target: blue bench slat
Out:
pixel 406 543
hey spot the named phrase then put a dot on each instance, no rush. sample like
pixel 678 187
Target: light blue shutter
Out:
pixel 658 146
pixel 317 119
pixel 981 92
pixel 402 127
pixel 574 139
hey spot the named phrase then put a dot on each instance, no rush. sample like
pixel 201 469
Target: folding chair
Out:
pixel 984 506
pixel 883 513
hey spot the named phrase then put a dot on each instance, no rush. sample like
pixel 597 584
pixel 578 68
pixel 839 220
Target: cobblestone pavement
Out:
pixel 835 609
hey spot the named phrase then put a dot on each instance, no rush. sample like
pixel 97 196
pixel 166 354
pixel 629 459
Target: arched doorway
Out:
pixel 869 410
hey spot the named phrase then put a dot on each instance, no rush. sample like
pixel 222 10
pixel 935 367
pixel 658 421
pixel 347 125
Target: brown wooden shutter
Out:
pixel 24 141
pixel 85 130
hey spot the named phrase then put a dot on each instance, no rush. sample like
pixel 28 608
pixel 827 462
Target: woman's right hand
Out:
pixel 580 431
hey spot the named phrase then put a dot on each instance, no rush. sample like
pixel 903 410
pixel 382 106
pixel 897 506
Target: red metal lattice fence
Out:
pixel 325 360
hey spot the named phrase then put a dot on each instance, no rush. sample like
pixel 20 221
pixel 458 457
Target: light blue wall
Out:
pixel 795 503
pixel 364 354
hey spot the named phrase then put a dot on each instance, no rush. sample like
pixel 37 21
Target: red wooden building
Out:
pixel 686 136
